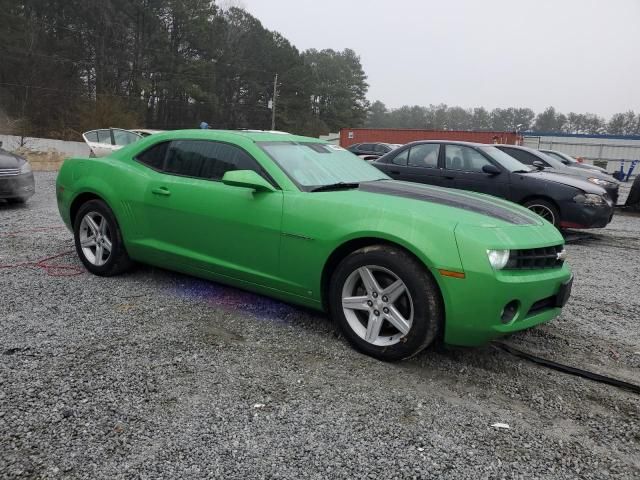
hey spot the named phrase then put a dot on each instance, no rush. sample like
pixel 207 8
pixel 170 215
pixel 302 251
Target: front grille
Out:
pixel 536 258
pixel 9 172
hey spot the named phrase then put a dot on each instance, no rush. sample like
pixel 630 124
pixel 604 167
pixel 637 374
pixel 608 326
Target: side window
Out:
pixel 524 157
pixel 381 149
pixel 401 158
pixel 425 155
pixel 154 157
pixel 104 136
pixel 365 147
pixel 123 137
pixel 206 159
pixel 92 136
pixel 459 157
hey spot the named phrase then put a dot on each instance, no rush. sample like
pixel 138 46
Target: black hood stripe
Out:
pixel 450 198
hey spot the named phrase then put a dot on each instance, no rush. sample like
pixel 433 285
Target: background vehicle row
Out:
pixel 564 200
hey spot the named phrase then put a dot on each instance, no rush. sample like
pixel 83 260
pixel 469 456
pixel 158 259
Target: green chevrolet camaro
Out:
pixel 397 265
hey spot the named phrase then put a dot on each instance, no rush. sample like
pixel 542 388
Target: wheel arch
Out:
pixel 353 244
pixel 81 199
pixel 541 197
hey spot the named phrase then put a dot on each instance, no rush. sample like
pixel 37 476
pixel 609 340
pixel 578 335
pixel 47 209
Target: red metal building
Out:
pixel 349 136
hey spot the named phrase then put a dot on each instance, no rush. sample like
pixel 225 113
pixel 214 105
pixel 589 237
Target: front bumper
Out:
pixel 17 186
pixel 474 305
pixel 577 215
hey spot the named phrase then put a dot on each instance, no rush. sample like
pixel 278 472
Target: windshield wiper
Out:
pixel 522 171
pixel 335 186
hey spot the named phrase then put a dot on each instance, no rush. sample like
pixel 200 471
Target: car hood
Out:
pixel 586 166
pixel 449 204
pixel 582 173
pixel 575 181
pixel 10 160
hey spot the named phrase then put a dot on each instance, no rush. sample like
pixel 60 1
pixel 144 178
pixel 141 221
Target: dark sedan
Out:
pixel 564 200
pixel 535 158
pixel 16 178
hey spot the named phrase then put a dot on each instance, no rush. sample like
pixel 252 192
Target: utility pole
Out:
pixel 273 103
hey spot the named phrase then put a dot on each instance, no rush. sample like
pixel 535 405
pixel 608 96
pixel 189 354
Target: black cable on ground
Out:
pixel 566 369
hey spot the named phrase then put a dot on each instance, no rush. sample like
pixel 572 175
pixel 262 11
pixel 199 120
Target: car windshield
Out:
pixel 311 165
pixel 563 157
pixel 552 161
pixel 507 161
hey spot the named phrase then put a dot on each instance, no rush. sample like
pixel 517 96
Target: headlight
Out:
pixel 25 168
pixel 599 181
pixel 498 258
pixel 589 199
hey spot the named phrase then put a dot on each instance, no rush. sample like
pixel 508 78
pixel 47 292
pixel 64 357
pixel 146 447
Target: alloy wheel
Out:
pixel 544 212
pixel 377 305
pixel 95 238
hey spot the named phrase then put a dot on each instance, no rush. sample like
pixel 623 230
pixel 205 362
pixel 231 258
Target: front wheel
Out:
pixel 385 302
pixel 99 241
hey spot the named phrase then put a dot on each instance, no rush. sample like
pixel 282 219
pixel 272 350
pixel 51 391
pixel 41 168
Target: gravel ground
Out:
pixel 158 375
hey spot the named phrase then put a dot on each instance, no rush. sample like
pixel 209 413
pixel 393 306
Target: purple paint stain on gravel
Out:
pixel 233 299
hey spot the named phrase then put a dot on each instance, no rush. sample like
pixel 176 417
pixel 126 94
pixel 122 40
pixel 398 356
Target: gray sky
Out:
pixel 577 55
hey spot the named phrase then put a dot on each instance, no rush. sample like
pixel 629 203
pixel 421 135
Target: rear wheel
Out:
pixel 99 241
pixel 385 302
pixel 545 209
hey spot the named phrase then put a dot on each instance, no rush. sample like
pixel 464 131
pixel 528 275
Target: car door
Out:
pixel 464 169
pixel 422 164
pixel 196 221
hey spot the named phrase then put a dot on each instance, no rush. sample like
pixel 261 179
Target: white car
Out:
pixel 104 141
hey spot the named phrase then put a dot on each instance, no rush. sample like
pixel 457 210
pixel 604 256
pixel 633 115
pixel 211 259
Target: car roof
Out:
pixel 519 147
pixel 452 142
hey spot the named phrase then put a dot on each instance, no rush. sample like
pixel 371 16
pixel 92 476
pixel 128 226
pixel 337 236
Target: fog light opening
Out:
pixel 510 311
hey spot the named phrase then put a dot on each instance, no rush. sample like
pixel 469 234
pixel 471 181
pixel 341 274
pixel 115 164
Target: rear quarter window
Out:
pixel 154 157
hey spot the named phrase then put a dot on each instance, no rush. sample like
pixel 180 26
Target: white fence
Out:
pixel 610 150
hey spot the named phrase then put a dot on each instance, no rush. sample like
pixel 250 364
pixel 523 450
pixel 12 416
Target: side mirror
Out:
pixel 538 164
pixel 247 179
pixel 491 169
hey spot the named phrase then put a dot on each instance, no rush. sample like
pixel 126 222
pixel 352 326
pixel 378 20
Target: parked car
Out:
pixel 397 265
pixel 16 178
pixel 372 150
pixel 565 201
pixel 569 161
pixel 535 158
pixel 105 141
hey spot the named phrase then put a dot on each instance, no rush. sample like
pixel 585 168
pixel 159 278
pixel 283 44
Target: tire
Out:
pixel 93 240
pixel 419 304
pixel 545 209
pixel 16 200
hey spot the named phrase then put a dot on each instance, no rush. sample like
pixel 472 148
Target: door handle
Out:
pixel 164 191
pixel 449 177
pixel 395 172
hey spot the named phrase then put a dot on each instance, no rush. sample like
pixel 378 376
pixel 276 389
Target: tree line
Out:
pixel 443 117
pixel 67 66
pixel 73 65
